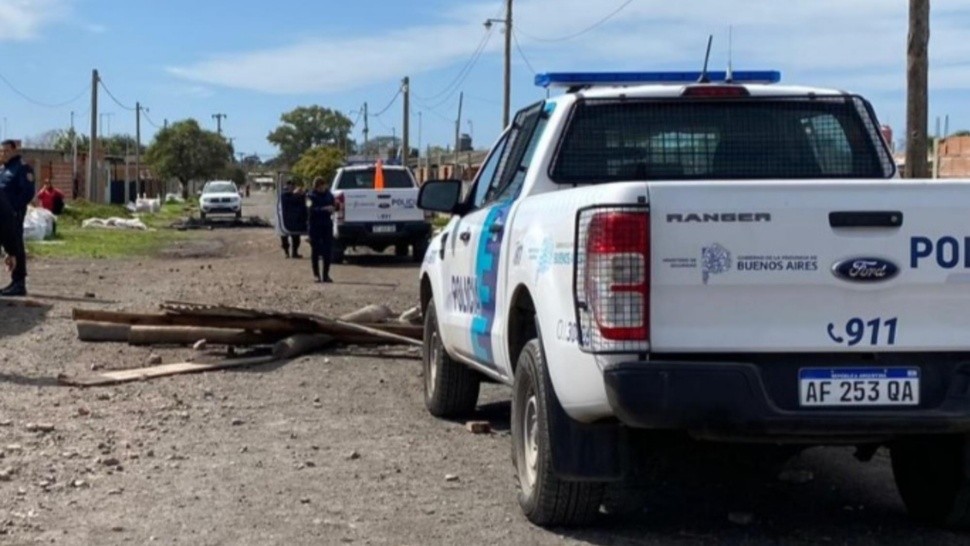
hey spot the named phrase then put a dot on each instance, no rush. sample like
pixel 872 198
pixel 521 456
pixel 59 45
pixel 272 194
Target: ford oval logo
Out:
pixel 865 270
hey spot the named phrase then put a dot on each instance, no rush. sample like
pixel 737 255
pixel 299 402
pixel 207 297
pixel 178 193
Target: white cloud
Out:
pixel 828 42
pixel 22 19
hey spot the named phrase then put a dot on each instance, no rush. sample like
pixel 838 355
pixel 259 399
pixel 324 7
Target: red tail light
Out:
pixel 617 275
pixel 340 206
pixel 715 91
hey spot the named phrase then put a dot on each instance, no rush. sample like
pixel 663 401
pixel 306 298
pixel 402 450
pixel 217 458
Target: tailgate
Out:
pixel 802 266
pixel 390 205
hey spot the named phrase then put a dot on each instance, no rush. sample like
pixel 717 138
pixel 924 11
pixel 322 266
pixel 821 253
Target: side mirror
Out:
pixel 440 195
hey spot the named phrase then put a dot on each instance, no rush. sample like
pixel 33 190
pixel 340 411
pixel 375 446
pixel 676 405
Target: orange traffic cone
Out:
pixel 379 176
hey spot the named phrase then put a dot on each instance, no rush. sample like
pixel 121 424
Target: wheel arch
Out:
pixel 521 325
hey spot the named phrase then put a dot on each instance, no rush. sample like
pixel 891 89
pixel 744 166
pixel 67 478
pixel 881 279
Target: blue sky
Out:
pixel 255 60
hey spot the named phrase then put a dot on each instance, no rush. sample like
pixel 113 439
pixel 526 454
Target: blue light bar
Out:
pixel 591 79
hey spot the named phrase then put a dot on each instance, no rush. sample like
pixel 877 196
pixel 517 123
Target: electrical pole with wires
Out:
pixel 138 109
pixel 366 127
pixel 406 133
pixel 507 92
pixel 507 70
pixel 461 99
pixel 92 174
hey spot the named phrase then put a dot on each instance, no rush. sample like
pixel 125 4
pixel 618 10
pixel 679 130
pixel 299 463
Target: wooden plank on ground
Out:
pixel 102 331
pixel 187 335
pixel 158 319
pixel 164 370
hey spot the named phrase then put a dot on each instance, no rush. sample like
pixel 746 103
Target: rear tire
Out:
pixel 545 499
pixel 202 216
pixel 450 387
pixel 933 477
pixel 238 215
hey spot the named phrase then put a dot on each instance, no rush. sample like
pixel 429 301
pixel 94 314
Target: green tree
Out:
pixel 322 161
pixel 961 133
pixel 187 152
pixel 308 127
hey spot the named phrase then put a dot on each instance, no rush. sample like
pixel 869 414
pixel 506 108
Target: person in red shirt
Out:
pixel 51 198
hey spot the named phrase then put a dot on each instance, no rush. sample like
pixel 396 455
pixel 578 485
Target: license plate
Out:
pixel 385 229
pixel 834 387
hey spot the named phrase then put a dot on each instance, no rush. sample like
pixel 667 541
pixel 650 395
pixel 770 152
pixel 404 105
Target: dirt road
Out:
pixel 332 448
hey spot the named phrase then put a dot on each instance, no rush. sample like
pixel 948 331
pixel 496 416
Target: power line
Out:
pixel 462 74
pixel 612 14
pixel 388 107
pixel 42 103
pixel 110 94
pixel 144 112
pixel 518 48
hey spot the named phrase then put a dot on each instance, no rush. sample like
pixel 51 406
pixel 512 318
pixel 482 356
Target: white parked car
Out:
pixel 649 257
pixel 220 197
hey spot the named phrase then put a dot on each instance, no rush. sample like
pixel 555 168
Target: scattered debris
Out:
pixel 114 223
pixel 39 427
pixel 197 223
pixel 411 316
pixel 287 335
pixel 154 359
pixel 353 456
pixel 479 427
pixel 451 478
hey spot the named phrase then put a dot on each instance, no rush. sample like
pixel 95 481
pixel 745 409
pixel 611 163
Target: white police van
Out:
pixel 713 254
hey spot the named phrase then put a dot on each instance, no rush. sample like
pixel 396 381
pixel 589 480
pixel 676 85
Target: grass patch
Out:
pixel 77 242
pixel 73 241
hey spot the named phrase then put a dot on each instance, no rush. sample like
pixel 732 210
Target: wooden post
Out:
pixel 917 75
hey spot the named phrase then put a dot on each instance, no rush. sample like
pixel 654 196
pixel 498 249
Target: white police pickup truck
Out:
pixel 732 260
pixel 377 207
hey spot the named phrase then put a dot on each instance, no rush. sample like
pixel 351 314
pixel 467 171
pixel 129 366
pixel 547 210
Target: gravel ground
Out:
pixel 331 448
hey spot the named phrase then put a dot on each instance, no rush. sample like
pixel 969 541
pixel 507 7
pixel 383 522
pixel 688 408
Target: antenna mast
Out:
pixel 707 58
pixel 729 77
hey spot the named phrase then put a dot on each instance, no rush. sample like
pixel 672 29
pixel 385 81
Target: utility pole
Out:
pixel 219 118
pixel 917 75
pixel 406 140
pixel 508 64
pixel 419 138
pixel 507 90
pixel 461 99
pixel 138 109
pixel 73 154
pixel 92 174
pixel 366 127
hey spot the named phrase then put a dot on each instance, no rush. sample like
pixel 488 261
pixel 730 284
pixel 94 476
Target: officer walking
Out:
pixel 17 185
pixel 322 205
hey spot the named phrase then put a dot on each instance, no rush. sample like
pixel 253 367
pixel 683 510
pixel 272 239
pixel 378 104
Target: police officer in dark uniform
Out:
pixel 320 228
pixel 10 239
pixel 293 205
pixel 17 185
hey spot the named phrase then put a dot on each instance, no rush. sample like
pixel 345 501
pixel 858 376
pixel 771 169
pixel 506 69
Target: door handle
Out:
pixel 866 219
pixel 465 236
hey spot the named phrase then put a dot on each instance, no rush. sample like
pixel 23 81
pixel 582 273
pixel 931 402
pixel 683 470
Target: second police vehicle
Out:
pixel 711 254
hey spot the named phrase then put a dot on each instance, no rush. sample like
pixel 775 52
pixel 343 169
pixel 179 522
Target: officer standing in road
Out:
pixel 17 184
pixel 322 206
